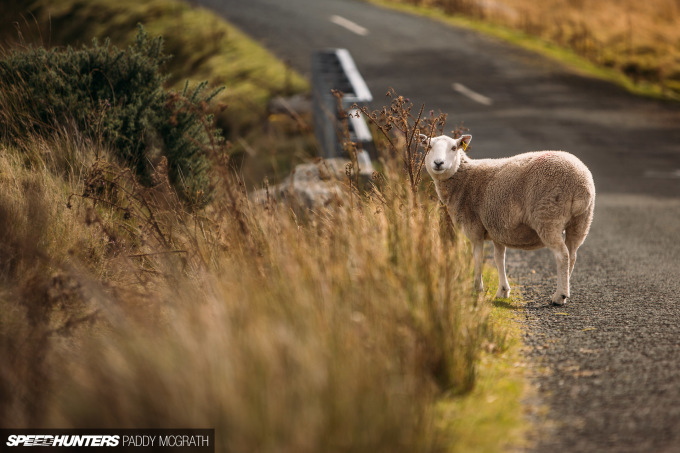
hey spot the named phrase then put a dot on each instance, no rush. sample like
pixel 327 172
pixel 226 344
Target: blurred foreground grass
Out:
pixel 338 330
pixel 352 328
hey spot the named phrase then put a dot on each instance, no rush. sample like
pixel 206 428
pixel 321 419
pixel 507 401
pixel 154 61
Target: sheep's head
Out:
pixel 444 156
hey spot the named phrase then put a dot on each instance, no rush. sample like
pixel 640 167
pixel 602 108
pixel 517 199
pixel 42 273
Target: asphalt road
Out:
pixel 607 364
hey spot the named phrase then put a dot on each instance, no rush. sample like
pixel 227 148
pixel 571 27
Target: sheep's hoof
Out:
pixel 559 299
pixel 502 293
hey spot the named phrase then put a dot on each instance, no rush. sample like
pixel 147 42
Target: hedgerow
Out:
pixel 116 96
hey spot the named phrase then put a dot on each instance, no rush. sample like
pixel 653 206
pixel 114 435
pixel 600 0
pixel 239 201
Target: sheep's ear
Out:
pixel 424 139
pixel 464 141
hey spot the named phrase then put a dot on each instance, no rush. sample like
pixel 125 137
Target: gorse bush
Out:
pixel 203 46
pixel 116 96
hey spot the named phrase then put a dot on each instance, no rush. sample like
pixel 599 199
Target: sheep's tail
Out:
pixel 579 206
pixel 583 194
pixel 582 202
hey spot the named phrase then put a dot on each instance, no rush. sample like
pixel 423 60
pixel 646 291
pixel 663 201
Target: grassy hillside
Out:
pixel 635 44
pixel 203 46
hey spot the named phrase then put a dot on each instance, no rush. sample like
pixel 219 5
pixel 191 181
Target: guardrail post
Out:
pixel 334 69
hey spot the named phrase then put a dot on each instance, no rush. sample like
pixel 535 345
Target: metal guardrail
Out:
pixel 334 69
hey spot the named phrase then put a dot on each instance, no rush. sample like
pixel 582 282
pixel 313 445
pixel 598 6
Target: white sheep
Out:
pixel 529 201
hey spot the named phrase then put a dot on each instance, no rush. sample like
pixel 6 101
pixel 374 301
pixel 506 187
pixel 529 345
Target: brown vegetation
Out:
pixel 639 39
pixel 330 331
pixel 339 329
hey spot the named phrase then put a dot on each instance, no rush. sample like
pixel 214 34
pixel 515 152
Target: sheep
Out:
pixel 528 201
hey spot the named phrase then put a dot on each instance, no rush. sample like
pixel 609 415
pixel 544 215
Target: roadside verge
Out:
pixel 561 55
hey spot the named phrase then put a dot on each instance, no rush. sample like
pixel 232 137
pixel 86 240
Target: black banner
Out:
pixel 114 440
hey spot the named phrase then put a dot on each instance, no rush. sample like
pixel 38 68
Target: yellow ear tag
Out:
pixel 465 145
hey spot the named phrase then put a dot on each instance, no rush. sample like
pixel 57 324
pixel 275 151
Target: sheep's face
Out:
pixel 443 158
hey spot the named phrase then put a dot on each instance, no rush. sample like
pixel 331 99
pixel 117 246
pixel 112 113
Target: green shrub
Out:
pixel 116 96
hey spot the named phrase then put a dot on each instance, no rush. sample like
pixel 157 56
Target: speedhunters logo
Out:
pixel 151 440
pixel 47 440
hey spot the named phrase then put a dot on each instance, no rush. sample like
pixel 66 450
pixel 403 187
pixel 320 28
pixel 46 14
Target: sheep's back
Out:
pixel 531 189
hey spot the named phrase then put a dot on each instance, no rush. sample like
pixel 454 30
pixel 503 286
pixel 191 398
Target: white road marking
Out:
pixel 673 174
pixel 465 91
pixel 349 25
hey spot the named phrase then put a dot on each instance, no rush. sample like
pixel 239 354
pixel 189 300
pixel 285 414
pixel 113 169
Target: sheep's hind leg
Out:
pixel 575 234
pixel 477 252
pixel 573 252
pixel 562 259
pixel 503 285
pixel 556 244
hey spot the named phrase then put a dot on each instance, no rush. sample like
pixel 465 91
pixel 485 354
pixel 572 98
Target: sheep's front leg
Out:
pixel 562 259
pixel 477 252
pixel 503 285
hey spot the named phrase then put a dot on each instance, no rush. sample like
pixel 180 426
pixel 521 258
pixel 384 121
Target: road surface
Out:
pixel 607 364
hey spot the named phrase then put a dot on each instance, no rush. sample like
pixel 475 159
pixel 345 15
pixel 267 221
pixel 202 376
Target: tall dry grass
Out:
pixel 332 331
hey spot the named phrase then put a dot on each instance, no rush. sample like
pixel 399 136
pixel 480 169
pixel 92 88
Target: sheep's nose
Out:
pixel 438 164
